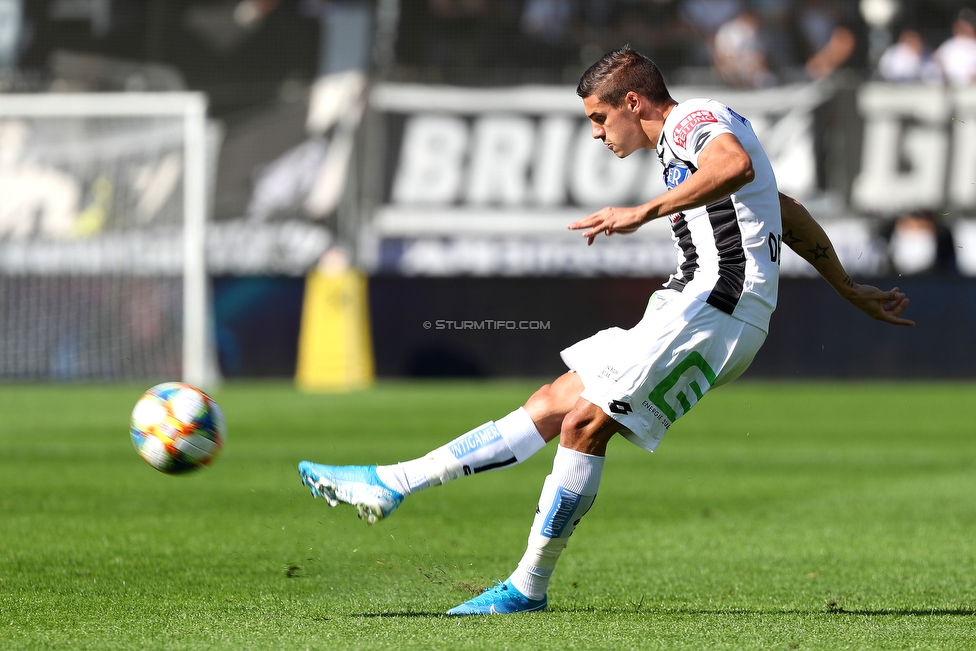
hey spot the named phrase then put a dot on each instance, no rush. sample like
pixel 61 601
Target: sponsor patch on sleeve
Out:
pixel 688 124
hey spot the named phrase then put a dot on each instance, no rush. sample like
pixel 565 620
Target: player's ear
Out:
pixel 633 102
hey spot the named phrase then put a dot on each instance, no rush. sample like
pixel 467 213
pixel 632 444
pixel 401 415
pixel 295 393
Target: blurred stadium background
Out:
pixel 438 148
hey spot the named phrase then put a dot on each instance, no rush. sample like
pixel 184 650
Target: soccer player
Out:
pixel 699 332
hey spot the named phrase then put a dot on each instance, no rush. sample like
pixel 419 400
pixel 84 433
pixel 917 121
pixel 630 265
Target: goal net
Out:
pixel 103 209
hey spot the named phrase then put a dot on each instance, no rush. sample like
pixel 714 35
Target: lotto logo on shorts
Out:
pixel 688 124
pixel 620 407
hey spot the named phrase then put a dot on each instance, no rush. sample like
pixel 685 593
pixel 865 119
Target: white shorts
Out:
pixel 647 377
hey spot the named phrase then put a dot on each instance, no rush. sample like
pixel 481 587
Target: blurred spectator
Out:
pixel 919 244
pixel 597 31
pixel 905 59
pixel 740 54
pixel 828 32
pixel 956 57
pixel 776 19
pixel 462 39
pixel 550 21
pixel 552 27
pixel 703 18
pixel 455 30
pixel 11 32
pixel 650 26
pixel 250 13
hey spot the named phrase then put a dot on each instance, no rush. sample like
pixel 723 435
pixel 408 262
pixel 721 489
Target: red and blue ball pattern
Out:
pixel 177 428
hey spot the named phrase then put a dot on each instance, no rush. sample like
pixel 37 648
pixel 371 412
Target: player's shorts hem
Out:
pixel 647 377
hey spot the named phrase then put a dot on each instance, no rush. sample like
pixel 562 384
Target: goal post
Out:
pixel 104 196
pixel 199 360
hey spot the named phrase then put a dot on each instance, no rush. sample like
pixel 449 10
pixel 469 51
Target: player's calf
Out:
pixel 376 491
pixel 494 445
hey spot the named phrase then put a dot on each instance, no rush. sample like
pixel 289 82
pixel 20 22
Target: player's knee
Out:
pixel 539 401
pixel 578 426
pixel 542 393
pixel 574 423
pixel 587 430
pixel 552 399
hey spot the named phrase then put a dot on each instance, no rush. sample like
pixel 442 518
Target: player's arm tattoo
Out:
pixel 819 251
pixel 850 282
pixel 791 239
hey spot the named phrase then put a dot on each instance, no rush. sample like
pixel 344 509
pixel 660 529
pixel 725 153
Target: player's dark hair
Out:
pixel 619 72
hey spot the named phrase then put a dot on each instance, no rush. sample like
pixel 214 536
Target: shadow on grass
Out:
pixel 900 612
pixel 401 614
pixel 919 612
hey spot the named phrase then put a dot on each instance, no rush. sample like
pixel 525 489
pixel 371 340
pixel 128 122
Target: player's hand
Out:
pixel 881 305
pixel 608 221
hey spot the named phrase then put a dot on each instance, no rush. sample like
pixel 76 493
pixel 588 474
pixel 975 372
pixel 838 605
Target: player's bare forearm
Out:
pixel 724 168
pixel 807 238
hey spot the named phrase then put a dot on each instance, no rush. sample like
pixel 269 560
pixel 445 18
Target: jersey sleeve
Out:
pixel 696 128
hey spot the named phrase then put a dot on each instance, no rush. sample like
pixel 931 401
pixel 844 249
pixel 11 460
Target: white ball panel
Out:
pixel 148 412
pixel 187 405
pixel 218 418
pixel 155 453
pixel 196 448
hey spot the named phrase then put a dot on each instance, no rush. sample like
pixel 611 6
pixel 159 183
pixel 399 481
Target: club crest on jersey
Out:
pixel 676 172
pixel 688 123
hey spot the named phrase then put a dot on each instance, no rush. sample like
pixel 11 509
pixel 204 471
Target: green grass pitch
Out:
pixel 775 516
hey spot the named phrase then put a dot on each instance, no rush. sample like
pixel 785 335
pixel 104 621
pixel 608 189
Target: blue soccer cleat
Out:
pixel 503 599
pixel 355 485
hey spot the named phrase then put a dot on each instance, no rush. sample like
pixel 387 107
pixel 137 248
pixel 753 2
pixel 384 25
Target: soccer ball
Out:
pixel 177 428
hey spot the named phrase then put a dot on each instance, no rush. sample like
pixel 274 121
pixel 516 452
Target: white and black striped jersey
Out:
pixel 728 250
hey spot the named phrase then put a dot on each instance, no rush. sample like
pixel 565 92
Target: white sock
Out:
pixel 567 495
pixel 496 444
